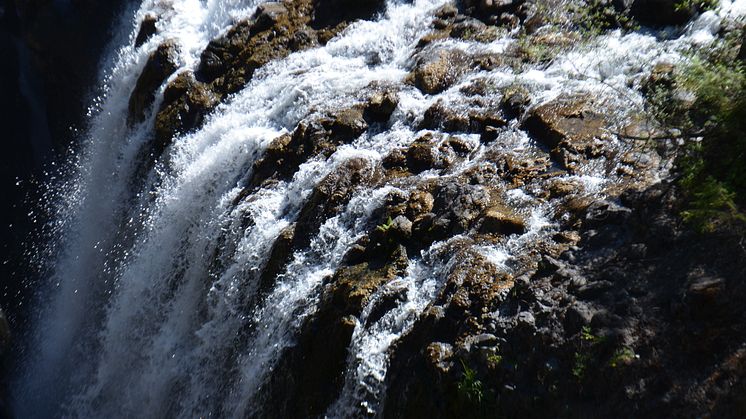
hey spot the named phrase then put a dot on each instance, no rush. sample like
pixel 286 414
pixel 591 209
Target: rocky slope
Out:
pixel 523 249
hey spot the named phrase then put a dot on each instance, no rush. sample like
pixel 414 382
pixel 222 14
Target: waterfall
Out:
pixel 153 306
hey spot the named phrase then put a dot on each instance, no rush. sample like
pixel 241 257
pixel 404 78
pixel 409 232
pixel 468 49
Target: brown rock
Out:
pixel 161 64
pixel 438 70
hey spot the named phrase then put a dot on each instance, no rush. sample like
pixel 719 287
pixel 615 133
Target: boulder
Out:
pixel 422 155
pixel 500 220
pixel 441 117
pixel 268 15
pixel 381 105
pixel 437 70
pixel 347 124
pixel 160 65
pixel 569 126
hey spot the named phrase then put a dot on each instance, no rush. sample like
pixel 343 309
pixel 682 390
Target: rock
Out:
pixel 147 29
pixel 593 290
pixel 419 203
pixel 268 15
pixel 160 65
pixel 186 103
pixel 439 356
pixel 440 117
pixel 396 159
pixel 330 195
pixel 515 102
pixel 279 256
pixel 577 316
pixel 569 127
pixel 422 155
pixel 604 213
pixel 438 70
pixel 347 125
pixel 705 294
pixel 381 105
pixel 350 289
pixel 461 204
pixel 499 220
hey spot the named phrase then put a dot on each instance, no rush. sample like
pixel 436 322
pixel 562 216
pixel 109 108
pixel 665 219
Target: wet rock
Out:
pixel 568 126
pixel 461 204
pixel 279 256
pixel 515 102
pixel 347 125
pixel 605 213
pixel 500 220
pixel 419 203
pixel 352 286
pixel 422 155
pixel 440 117
pixel 437 70
pixel 331 194
pixel 186 103
pixel 268 15
pixel 396 159
pixel 147 29
pixel 160 65
pixel 381 105
pixel 486 8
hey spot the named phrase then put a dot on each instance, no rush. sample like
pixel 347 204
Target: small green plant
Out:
pixel 587 352
pixel 595 17
pixel 581 364
pixel 701 5
pixel 495 359
pixel 622 356
pixel 385 226
pixel 470 387
pixel 586 334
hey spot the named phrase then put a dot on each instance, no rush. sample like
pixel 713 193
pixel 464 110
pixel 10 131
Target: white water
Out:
pixel 138 322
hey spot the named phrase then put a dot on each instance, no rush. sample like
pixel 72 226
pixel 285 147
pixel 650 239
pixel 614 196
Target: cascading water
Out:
pixel 153 307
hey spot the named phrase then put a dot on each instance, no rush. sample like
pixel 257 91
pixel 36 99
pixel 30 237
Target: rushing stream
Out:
pixel 152 307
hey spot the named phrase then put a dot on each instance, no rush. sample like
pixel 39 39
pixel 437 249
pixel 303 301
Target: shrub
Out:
pixel 712 165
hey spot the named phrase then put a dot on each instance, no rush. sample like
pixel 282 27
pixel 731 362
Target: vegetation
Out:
pixel 597 16
pixel 706 102
pixel 702 5
pixel 470 387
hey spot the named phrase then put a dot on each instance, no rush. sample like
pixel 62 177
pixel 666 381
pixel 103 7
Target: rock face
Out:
pixel 161 64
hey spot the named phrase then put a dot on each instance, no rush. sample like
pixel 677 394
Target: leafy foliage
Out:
pixel 713 125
